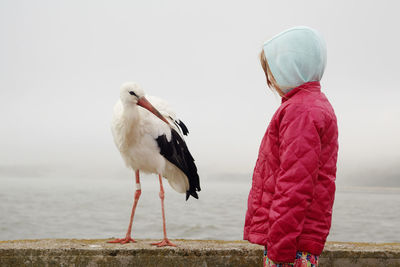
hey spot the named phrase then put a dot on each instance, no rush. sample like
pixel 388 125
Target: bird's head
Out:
pixel 131 93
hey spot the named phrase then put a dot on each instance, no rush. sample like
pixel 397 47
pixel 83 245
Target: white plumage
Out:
pixel 135 130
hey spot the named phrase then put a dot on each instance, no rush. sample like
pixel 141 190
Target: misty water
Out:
pixel 32 208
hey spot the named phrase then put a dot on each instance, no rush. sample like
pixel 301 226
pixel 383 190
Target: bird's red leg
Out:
pixel 165 241
pixel 128 237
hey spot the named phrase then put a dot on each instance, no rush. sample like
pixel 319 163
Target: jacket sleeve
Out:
pixel 299 151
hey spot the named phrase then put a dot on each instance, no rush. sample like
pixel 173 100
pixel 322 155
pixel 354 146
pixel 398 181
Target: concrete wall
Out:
pixel 67 252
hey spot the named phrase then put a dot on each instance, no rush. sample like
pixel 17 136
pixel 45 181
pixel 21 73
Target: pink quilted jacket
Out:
pixel 290 202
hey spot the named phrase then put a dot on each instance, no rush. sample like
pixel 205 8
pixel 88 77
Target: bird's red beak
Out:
pixel 143 102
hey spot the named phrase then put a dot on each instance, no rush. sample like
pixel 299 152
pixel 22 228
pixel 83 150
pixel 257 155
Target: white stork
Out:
pixel 150 139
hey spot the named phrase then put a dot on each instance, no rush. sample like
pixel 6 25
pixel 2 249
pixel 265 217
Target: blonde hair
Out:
pixel 268 74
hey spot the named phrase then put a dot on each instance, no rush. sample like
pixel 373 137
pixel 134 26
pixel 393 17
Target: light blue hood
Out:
pixel 296 56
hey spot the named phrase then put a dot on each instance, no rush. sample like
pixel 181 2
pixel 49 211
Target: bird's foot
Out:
pixel 165 242
pixel 125 240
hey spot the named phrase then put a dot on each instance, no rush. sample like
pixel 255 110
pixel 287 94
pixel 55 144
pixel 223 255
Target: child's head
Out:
pixel 293 57
pixel 270 78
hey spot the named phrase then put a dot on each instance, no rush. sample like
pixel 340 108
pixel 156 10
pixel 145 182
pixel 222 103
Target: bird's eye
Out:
pixel 132 93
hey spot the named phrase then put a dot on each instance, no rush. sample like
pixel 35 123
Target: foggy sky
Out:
pixel 62 63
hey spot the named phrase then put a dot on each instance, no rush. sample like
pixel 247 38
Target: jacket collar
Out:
pixel 309 87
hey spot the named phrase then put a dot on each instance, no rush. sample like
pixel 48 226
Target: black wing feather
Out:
pixel 176 152
pixel 181 126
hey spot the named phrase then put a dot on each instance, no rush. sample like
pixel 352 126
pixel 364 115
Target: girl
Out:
pixel 290 202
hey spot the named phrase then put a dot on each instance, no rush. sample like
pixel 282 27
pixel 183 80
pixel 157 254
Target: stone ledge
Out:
pixel 71 252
